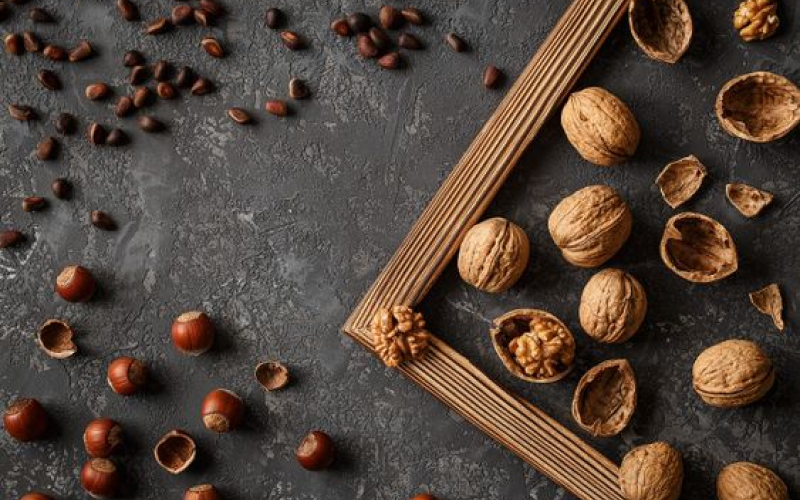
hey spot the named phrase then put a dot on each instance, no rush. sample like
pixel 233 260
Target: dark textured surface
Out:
pixel 277 229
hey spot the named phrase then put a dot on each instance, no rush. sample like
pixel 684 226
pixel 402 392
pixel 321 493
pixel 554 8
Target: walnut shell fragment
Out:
pixel 749 481
pixel 613 306
pixel 493 255
pixel 768 301
pixel 698 249
pixel 749 201
pixel 759 106
pixel 680 180
pixel 756 19
pixel 175 451
pixel 663 29
pixel 590 225
pixel 605 398
pixel 652 472
pixel 271 375
pixel 55 339
pixel 399 335
pixel 732 373
pixel 534 345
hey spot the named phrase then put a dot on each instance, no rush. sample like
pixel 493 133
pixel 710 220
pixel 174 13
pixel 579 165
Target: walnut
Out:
pixel 756 19
pixel 732 373
pixel 399 334
pixel 697 248
pixel 613 305
pixel 748 200
pixel 605 398
pixel 758 107
pixel 748 481
pixel 652 472
pixel 590 225
pixel 768 301
pixel 662 28
pixel 600 126
pixel 493 255
pixel 680 180
pixel 534 345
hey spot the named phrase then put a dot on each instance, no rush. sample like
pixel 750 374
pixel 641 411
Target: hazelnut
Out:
pixel 748 481
pixel 613 306
pixel 272 375
pixel 126 375
pixel 100 478
pixel 493 255
pixel 202 492
pixel 25 420
pixel 651 472
pixel 605 398
pixel 75 284
pixel 175 451
pixel 55 339
pixel 424 496
pixel 35 495
pixel 698 248
pixel 102 438
pixel 732 373
pixel 193 333
pixel 222 410
pixel 316 451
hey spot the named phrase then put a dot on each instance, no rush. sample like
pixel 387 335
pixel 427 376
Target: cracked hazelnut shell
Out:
pixel 663 29
pixel 613 306
pixel 175 451
pixel 271 375
pixel 749 481
pixel 126 375
pixel 193 333
pixel 102 438
pixel 698 248
pixel 605 398
pixel 493 255
pixel 100 478
pixel 732 373
pixel 55 339
pixel 75 284
pixel 222 410
pixel 25 420
pixel 651 472
pixel 316 451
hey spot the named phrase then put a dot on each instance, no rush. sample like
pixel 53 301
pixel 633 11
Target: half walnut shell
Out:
pixel 698 249
pixel 55 339
pixel 176 451
pixel 534 345
pixel 769 301
pixel 680 180
pixel 732 373
pixel 749 201
pixel 605 398
pixel 662 28
pixel 759 107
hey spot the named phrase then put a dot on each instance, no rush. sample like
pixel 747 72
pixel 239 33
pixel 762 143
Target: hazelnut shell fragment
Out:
pixel 613 306
pixel 698 248
pixel 662 28
pixel 732 373
pixel 680 180
pixel 175 451
pixel 271 375
pixel 768 301
pixel 605 398
pixel 651 472
pixel 749 201
pixel 55 339
pixel 493 255
pixel 749 481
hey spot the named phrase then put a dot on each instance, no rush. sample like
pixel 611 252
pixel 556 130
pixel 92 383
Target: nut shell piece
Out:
pixel 680 180
pixel 652 472
pixel 590 225
pixel 399 335
pixel 759 106
pixel 768 301
pixel 493 255
pixel 698 248
pixel 272 375
pixel 175 451
pixel 662 28
pixel 605 398
pixel 613 306
pixel 756 19
pixel 55 339
pixel 600 126
pixel 749 481
pixel 732 373
pixel 749 201
pixel 534 345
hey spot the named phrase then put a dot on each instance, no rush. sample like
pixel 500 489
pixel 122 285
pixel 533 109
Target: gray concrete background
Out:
pixel 277 230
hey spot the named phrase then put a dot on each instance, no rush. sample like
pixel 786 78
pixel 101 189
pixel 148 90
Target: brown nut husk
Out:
pixel 399 335
pixel 605 398
pixel 663 29
pixel 534 345
pixel 756 19
pixel 613 306
pixel 651 472
pixel 758 107
pixel 590 225
pixel 769 301
pixel 749 201
pixel 680 180
pixel 600 126
pixel 732 373
pixel 271 375
pixel 698 249
pixel 493 255
pixel 175 451
pixel 55 339
pixel 749 481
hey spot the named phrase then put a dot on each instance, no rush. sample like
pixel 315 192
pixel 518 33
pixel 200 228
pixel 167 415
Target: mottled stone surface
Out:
pixel 277 229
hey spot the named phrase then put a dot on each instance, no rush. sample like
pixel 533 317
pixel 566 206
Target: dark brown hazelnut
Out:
pixel 424 496
pixel 176 451
pixel 316 451
pixel 25 420
pixel 75 284
pixel 126 375
pixel 222 410
pixel 35 495
pixel 202 492
pixel 193 333
pixel 102 438
pixel 100 478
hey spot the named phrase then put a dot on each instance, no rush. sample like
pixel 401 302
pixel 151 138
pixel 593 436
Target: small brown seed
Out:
pixel 166 90
pixel 66 124
pixel 49 80
pixel 212 7
pixel 366 47
pixel 159 26
pixel 162 71
pixel 298 89
pixel 212 46
pixel 203 18
pixel 97 134
pixel 124 106
pixel 138 75
pixel 276 107
pixel 39 15
pixel 14 44
pixel 141 97
pixel 31 41
pixel 390 61
pixel 409 42
pixel 128 10
pixel 33 204
pixel 239 116
pixel 117 137
pixel 97 91
pixel 185 78
pixel 455 42
pixel 413 16
pixel 492 77
pixel 273 18
pixel 202 86
pixel 102 220
pixel 133 58
pixel 389 17
pixel 47 149
pixel 21 113
pixel 62 189
pixel 359 22
pixel 5 11
pixel 379 38
pixel 150 124
pixel 81 51
pixel 182 15
pixel 10 238
pixel 54 52
pixel 292 40
pixel 341 28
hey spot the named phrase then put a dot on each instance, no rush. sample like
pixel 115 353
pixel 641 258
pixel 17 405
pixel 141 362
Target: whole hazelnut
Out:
pixel 102 438
pixel 35 495
pixel 25 420
pixel 202 492
pixel 651 472
pixel 613 306
pixel 193 333
pixel 749 481
pixel 316 451
pixel 100 478
pixel 75 284
pixel 493 255
pixel 222 410
pixel 126 375
pixel 424 496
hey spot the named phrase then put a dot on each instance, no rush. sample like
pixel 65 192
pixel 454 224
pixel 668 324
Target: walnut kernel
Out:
pixel 399 334
pixel 756 19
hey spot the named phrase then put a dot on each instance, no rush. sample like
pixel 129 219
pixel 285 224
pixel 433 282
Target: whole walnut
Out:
pixel 600 126
pixel 590 225
pixel 493 255
pixel 748 481
pixel 613 306
pixel 651 472
pixel 732 373
pixel 399 334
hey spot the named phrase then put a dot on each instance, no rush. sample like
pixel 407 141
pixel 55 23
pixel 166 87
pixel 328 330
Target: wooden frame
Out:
pixel 432 242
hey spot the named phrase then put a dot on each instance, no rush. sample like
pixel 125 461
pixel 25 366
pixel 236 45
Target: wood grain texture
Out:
pixel 460 202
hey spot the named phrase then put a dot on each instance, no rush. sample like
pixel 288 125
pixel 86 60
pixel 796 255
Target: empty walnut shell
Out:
pixel 768 301
pixel 680 180
pixel 534 345
pixel 613 306
pixel 605 398
pixel 590 225
pixel 749 201
pixel 732 373
pixel 493 255
pixel 176 451
pixel 55 338
pixel 662 28
pixel 272 375
pixel 749 481
pixel 759 107
pixel 651 472
pixel 697 248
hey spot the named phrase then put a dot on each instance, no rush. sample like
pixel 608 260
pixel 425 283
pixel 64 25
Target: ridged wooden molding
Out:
pixel 434 239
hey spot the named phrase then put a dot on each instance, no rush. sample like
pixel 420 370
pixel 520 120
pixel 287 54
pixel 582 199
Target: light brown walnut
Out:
pixel 493 255
pixel 399 335
pixel 680 180
pixel 662 28
pixel 749 481
pixel 605 398
pixel 652 472
pixel 613 306
pixel 756 19
pixel 749 201
pixel 698 248
pixel 732 373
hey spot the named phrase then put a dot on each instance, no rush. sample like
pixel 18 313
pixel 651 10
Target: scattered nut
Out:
pixel 126 375
pixel 613 306
pixel 202 492
pixel 680 180
pixel 749 201
pixel 493 255
pixel 748 481
pixel 47 149
pixel 102 438
pixel 240 116
pixel 25 420
pixel 175 451
pixel 769 301
pixel 605 398
pixel 399 335
pixel 732 373
pixel 662 28
pixel 75 284
pixel 316 451
pixel 10 238
pixel 193 333
pixel 55 339
pixel 756 19
pixel 271 375
pixel 651 472
pixel 698 249
pixel 222 410
pixel 100 478
pixel 102 220
pixel 33 204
